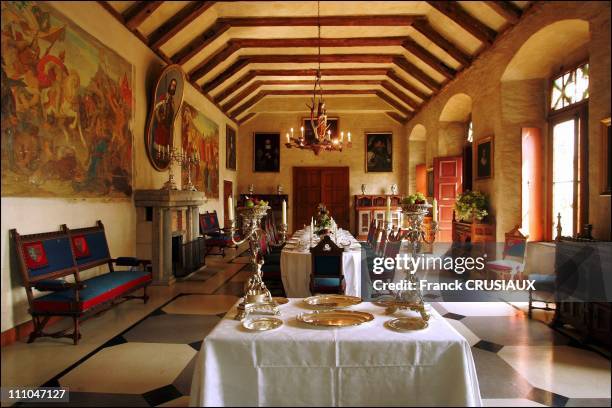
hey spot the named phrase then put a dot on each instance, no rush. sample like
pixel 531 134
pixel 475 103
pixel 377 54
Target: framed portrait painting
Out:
pixel 165 107
pixel 309 132
pixel 230 148
pixel 483 156
pixel 379 152
pixel 266 152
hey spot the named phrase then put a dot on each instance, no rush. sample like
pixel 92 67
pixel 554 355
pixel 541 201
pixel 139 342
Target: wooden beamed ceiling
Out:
pixel 400 52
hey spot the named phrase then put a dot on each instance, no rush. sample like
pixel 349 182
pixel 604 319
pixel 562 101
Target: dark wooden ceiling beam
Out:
pixel 416 73
pixel 221 25
pixel 245 79
pixel 428 58
pixel 225 75
pixel 296 92
pixel 200 42
pixel 234 45
pixel 456 13
pixel 451 49
pixel 258 84
pixel 248 104
pixel 177 22
pixel 397 117
pixel 398 106
pixel 398 60
pixel 138 12
pixel 297 73
pixel 407 99
pixel 314 42
pixel 246 118
pixel 324 21
pixel 406 85
pixel 507 10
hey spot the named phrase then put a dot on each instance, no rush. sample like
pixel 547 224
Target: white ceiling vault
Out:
pixel 244 54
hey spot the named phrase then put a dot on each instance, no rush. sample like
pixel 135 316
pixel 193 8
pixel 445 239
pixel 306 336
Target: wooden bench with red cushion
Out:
pixel 47 259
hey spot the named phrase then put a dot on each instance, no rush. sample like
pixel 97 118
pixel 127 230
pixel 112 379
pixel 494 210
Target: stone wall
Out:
pixel 501 109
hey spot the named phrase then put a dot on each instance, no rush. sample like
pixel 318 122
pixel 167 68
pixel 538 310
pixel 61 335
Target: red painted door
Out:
pixel 448 183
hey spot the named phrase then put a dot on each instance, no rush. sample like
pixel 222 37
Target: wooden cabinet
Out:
pixel 374 207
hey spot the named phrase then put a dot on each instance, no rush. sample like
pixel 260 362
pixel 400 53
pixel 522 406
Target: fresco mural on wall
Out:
pixel 200 135
pixel 67 108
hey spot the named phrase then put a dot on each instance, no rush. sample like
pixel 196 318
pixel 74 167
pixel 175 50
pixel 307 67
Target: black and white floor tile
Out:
pixel 520 362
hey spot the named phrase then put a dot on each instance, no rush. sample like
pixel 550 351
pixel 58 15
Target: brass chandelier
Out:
pixel 321 138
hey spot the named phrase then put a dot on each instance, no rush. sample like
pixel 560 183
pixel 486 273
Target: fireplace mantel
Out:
pixel 163 203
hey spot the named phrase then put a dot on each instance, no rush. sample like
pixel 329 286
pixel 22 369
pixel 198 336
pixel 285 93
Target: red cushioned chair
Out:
pixel 512 264
pixel 214 235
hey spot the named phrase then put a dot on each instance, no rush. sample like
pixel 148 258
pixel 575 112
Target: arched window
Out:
pixel 568 149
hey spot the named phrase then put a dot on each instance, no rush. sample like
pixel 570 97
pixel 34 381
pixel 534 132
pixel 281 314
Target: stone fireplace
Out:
pixel 162 215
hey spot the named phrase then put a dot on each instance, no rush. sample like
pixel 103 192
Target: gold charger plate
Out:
pixel 262 323
pixel 332 301
pixel 405 324
pixel 280 300
pixel 335 318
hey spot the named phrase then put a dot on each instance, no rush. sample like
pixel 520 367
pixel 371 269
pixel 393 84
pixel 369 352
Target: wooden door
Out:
pixel 448 180
pixel 532 187
pixel 227 191
pixel 306 195
pixel 335 194
pixel 314 185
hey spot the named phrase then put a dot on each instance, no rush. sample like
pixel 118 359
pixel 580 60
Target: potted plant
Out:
pixel 471 205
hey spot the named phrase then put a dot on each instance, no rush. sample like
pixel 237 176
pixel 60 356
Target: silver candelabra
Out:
pixel 257 297
pixel 412 299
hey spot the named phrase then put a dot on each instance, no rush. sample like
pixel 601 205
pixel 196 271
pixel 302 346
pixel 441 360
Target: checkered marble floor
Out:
pixel 149 360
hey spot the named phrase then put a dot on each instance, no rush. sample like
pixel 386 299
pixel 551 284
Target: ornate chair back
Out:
pixel 327 273
pixel 515 244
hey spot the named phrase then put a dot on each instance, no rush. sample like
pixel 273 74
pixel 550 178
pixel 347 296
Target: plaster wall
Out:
pixel 30 215
pixel 354 157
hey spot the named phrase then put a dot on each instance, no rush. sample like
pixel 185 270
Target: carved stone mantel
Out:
pixel 163 202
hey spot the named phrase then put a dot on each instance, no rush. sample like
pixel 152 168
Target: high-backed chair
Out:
pixel 214 235
pixel 380 249
pixel 512 264
pixel 392 248
pixel 327 273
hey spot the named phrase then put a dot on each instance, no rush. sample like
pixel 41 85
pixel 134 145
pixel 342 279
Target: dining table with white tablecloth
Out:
pixel 366 365
pixel 296 262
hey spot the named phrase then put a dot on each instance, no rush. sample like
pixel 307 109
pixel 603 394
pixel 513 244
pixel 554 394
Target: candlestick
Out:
pixel 230 208
pixel 388 214
pixel 434 210
pixel 302 130
pixel 284 206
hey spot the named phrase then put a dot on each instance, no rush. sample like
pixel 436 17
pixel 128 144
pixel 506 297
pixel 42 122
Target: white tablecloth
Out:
pixel 296 265
pixel 367 365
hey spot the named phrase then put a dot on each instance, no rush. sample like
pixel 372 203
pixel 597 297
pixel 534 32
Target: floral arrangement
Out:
pixel 322 219
pixel 471 204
